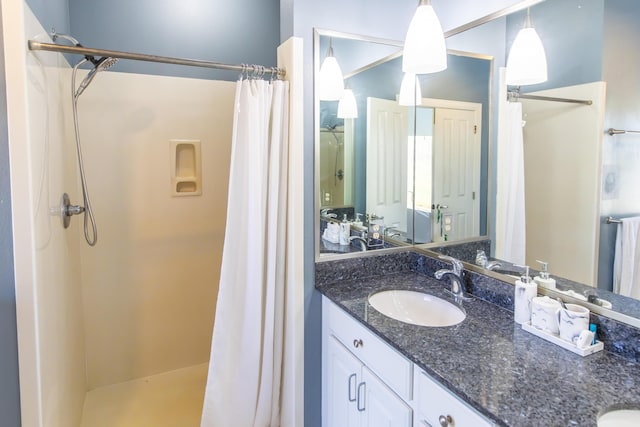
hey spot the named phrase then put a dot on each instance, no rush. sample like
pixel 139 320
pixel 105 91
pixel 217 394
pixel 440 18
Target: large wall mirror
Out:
pixel 576 174
pixel 416 169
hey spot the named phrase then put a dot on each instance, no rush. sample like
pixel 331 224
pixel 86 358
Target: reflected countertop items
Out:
pixel 506 373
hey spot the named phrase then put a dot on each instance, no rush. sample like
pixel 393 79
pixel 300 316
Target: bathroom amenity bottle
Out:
pixel 526 290
pixel 543 279
pixel 345 231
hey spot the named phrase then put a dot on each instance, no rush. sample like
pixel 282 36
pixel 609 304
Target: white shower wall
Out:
pixel 150 284
pixel 47 271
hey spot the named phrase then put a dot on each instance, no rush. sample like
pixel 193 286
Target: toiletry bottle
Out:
pixel 358 220
pixel 526 290
pixel 345 231
pixel 543 279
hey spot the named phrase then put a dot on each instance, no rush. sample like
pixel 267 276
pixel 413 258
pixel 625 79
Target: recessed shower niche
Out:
pixel 186 175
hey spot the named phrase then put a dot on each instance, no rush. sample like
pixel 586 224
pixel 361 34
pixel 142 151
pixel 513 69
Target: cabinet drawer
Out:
pixel 433 401
pixel 393 368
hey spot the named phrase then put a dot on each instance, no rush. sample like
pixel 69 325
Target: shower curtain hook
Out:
pixel 241 71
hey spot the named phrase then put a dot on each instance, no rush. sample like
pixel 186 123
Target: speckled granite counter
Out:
pixel 511 376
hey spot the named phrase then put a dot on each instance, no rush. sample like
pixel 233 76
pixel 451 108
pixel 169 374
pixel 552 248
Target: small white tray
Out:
pixel 598 346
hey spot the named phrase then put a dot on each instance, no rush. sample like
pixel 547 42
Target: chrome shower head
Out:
pixel 101 64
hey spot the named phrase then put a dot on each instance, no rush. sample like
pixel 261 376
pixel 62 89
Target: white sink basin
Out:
pixel 620 418
pixel 417 308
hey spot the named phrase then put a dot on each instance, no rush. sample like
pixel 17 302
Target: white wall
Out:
pixel 48 295
pixel 151 282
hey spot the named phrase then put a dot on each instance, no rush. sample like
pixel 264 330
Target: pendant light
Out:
pixel 330 80
pixel 410 91
pixel 424 48
pixel 527 63
pixel 347 108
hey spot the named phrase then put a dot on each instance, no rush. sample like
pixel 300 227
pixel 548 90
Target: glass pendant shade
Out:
pixel 424 48
pixel 410 91
pixel 527 63
pixel 330 80
pixel 347 108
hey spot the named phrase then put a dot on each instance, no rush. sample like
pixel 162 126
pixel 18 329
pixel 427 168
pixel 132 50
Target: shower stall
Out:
pixel 116 334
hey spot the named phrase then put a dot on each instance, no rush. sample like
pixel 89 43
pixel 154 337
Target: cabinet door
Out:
pixel 378 405
pixel 342 379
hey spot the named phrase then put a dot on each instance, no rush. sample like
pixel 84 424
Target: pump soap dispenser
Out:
pixel 526 290
pixel 543 279
pixel 345 231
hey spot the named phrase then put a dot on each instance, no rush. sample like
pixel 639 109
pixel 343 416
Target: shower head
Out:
pixel 101 64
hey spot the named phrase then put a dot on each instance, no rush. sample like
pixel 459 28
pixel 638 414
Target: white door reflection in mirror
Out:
pixel 387 133
pixel 456 167
pixel 423 173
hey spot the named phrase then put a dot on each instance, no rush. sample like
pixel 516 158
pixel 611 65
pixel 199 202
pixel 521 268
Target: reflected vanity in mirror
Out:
pixel 416 172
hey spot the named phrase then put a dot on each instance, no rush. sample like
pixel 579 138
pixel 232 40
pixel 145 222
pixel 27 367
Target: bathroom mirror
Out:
pixel 420 170
pixel 586 43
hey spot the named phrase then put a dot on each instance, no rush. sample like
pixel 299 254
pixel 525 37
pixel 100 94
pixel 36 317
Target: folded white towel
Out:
pixel 626 264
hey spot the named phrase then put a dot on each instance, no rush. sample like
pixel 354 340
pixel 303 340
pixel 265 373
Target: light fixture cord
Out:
pixel 527 19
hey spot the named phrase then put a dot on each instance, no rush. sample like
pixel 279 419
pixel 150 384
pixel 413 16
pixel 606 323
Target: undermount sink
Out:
pixel 620 418
pixel 417 308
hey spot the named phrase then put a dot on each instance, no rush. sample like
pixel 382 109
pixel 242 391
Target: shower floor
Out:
pixel 169 399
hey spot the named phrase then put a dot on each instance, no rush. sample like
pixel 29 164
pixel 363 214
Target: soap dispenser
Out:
pixel 358 221
pixel 543 279
pixel 526 290
pixel 345 231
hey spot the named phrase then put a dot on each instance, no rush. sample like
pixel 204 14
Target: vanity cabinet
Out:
pixel 356 397
pixel 365 382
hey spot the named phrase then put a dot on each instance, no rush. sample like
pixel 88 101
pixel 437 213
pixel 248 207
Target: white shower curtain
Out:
pixel 510 241
pixel 246 365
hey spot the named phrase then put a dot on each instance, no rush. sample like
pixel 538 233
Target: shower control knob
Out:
pixel 67 210
pixel 74 210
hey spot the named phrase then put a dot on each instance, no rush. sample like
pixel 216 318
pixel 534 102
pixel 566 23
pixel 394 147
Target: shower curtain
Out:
pixel 247 365
pixel 510 199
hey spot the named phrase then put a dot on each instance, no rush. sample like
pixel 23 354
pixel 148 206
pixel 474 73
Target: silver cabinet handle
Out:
pixel 362 386
pixel 352 376
pixel 358 343
pixel 445 421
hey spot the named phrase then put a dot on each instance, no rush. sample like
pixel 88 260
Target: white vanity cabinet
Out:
pixel 365 382
pixel 358 369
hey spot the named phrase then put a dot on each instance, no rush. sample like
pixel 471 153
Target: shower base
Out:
pixel 168 399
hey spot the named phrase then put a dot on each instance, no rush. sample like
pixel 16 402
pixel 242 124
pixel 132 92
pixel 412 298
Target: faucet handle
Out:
pixel 457 264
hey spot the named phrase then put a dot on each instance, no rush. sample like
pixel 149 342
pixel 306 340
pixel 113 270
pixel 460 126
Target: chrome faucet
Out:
pixel 325 213
pixel 454 275
pixel 390 232
pixel 493 265
pixel 363 243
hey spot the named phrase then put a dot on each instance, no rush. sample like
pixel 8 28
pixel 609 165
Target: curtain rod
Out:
pixel 81 50
pixel 613 131
pixel 612 220
pixel 514 95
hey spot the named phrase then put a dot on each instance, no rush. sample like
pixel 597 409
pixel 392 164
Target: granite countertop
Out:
pixel 509 375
